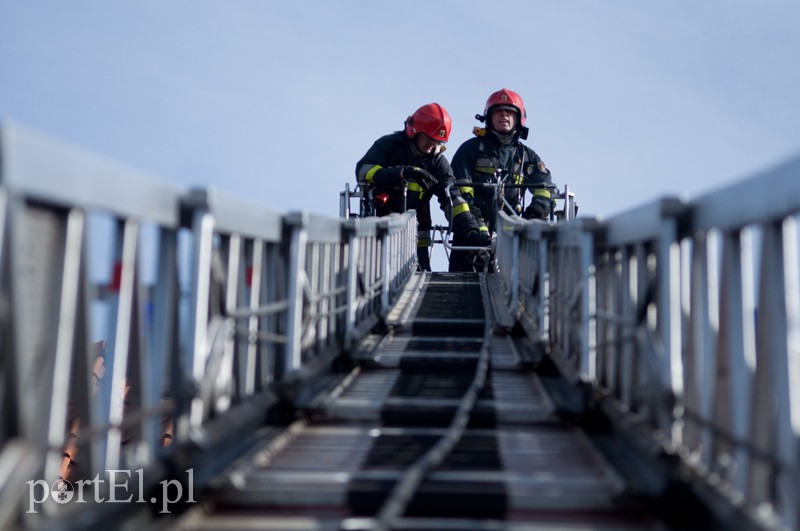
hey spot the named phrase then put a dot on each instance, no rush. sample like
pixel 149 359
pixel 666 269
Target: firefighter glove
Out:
pixel 391 177
pixel 476 238
pixel 419 176
pixel 538 209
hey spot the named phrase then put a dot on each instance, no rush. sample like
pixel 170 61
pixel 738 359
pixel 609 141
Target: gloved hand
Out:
pixel 476 238
pixel 391 177
pixel 472 238
pixel 538 209
pixel 419 176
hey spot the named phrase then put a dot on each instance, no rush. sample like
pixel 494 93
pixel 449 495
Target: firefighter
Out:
pixel 496 154
pixel 411 160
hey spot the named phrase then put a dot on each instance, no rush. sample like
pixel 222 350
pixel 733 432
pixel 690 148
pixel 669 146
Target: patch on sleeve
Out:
pixel 542 167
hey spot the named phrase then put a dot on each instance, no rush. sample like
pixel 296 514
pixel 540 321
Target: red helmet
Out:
pixel 506 98
pixel 431 119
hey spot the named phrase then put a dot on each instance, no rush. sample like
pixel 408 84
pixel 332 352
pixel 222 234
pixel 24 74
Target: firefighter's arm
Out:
pixel 396 176
pixel 466 229
pixel 462 172
pixel 539 176
pixel 374 167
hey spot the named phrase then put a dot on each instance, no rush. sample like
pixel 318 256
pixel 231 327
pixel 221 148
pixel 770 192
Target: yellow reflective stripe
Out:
pixel 541 192
pixel 483 228
pixel 460 209
pixel 467 190
pixel 415 187
pixel 479 131
pixel 423 238
pixel 517 178
pixel 490 171
pixel 370 176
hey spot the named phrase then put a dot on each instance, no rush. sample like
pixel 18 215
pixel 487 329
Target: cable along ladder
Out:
pixel 440 424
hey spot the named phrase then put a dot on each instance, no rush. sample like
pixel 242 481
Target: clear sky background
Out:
pixel 628 100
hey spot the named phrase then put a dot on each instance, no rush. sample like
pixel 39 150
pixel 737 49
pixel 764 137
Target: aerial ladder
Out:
pixel 287 370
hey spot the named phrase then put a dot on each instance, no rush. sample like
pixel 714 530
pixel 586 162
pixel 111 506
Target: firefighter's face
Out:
pixel 504 120
pixel 425 143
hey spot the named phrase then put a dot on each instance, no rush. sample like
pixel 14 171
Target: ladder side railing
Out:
pixel 81 406
pixel 142 322
pixel 684 317
pixel 742 427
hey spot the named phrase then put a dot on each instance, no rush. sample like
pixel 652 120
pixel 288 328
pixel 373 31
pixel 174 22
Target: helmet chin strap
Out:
pixel 505 138
pixel 417 153
pixel 414 149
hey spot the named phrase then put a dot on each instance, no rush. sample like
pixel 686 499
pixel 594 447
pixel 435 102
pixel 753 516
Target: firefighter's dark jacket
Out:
pixel 477 160
pixel 395 150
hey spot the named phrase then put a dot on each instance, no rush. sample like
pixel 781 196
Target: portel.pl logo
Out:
pixel 116 487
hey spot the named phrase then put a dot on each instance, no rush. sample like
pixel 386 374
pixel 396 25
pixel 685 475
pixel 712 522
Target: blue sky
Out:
pixel 627 100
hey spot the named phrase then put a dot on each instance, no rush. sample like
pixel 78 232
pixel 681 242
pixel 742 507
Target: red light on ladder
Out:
pixel 116 277
pixel 381 199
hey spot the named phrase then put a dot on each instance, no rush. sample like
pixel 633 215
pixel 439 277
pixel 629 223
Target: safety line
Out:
pixel 398 499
